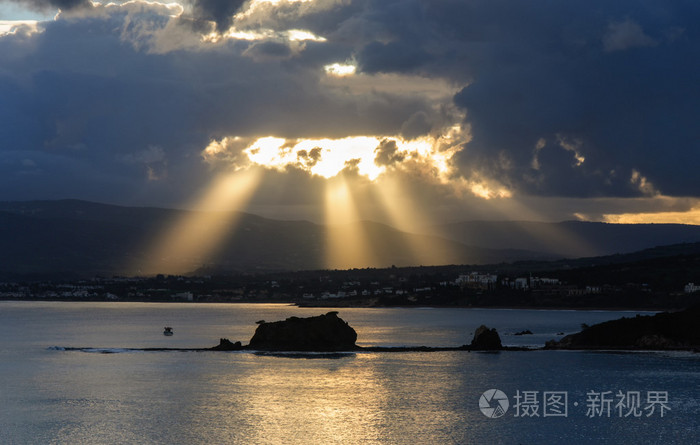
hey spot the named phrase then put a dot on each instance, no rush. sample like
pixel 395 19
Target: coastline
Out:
pixel 306 305
pixel 514 308
pixel 665 331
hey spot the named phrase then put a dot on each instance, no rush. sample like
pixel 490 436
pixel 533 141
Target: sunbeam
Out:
pixel 346 242
pixel 403 214
pixel 192 240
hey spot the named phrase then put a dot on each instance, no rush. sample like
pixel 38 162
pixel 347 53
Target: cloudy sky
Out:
pixel 405 110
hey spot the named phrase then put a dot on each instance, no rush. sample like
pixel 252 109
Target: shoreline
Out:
pixel 543 308
pixel 366 349
pixel 309 306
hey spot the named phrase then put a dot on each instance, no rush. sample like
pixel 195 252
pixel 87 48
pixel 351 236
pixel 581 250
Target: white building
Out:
pixel 691 287
pixel 476 279
pixel 184 296
pixel 521 283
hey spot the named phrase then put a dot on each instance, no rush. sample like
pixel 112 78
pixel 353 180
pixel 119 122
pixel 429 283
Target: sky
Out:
pixel 406 112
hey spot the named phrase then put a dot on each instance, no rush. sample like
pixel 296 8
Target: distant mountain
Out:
pixel 77 238
pixel 570 239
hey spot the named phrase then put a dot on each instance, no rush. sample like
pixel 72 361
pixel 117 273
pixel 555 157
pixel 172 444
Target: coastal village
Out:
pixel 424 286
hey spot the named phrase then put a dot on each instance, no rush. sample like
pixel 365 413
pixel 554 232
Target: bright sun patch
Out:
pixel 328 157
pixel 301 35
pixel 691 216
pixel 323 157
pixel 370 157
pixel 340 70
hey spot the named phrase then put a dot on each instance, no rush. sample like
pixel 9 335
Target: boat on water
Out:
pixel 168 331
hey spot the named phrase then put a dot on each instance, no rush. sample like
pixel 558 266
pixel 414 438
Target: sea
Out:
pixel 112 391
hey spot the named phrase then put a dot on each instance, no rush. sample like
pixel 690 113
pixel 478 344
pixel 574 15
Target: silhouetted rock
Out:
pixel 525 332
pixel 321 333
pixel 663 331
pixel 486 339
pixel 226 345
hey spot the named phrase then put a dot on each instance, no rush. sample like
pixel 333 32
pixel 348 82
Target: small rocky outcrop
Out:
pixel 663 331
pixel 525 332
pixel 226 345
pixel 486 339
pixel 322 333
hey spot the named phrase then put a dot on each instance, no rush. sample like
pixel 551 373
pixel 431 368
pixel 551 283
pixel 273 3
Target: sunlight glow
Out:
pixel 322 157
pixel 403 214
pixel 274 2
pixel 13 26
pixel 300 34
pixel 690 217
pixel 292 35
pixel 367 156
pixel 483 191
pixel 328 157
pixel 191 241
pixel 340 70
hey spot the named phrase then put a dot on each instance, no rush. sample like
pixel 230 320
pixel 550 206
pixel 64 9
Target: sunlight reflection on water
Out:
pixel 54 396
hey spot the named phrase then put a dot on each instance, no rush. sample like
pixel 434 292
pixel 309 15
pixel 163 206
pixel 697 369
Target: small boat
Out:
pixel 168 331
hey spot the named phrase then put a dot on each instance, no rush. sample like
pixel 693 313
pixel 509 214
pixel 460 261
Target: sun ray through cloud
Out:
pixel 403 214
pixel 190 242
pixel 347 245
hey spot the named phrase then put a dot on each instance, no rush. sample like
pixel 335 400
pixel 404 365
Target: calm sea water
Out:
pixel 51 396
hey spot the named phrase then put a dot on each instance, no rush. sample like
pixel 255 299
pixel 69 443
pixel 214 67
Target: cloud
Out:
pixel 90 87
pixel 625 35
pixel 643 184
pixel 152 158
pixel 269 50
pixel 387 153
pixel 44 5
pixel 378 57
pixel 220 12
pixel 536 100
pixel 417 125
pixel 548 78
pixel 310 158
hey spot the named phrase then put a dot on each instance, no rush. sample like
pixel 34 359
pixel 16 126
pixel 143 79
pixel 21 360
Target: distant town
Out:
pixel 416 286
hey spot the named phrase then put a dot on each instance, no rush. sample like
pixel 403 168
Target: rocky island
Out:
pixel 323 333
pixel 330 333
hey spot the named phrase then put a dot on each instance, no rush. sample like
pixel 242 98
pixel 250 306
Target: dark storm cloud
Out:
pixel 618 79
pixel 417 125
pixel 576 98
pixel 389 57
pixel 96 91
pixel 269 49
pixel 220 12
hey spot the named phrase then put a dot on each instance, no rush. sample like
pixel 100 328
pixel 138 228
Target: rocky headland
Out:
pixel 663 331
